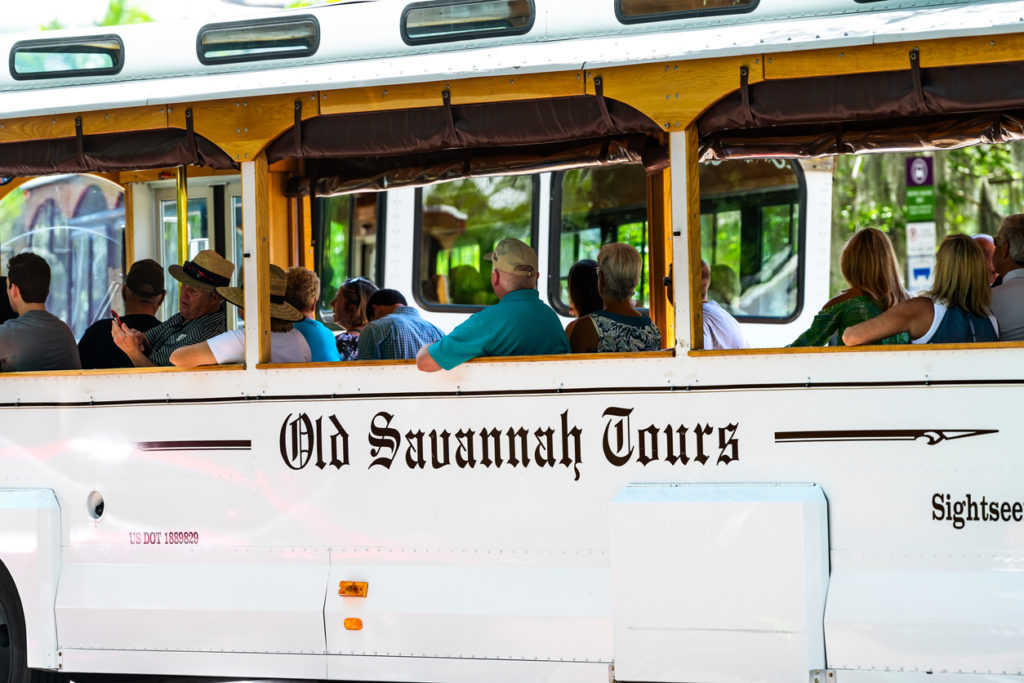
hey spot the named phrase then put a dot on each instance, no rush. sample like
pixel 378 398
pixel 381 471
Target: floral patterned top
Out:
pixel 617 332
pixel 832 321
pixel 348 345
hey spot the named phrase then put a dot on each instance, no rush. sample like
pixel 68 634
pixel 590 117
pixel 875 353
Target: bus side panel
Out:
pixel 30 549
pixel 719 583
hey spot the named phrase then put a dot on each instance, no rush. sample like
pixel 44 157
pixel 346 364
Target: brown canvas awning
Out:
pixel 111 152
pixel 939 108
pixel 345 152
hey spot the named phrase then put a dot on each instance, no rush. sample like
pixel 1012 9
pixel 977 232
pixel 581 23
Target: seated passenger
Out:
pixel 988 248
pixel 584 297
pixel 1008 296
pixel 395 331
pixel 721 331
pixel 200 312
pixel 518 325
pixel 36 339
pixel 955 309
pixel 349 306
pixel 302 293
pixel 868 263
pixel 287 345
pixel 142 292
pixel 6 312
pixel 725 288
pixel 619 326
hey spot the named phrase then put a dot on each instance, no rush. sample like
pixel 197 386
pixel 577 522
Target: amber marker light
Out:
pixel 353 589
pixel 353 624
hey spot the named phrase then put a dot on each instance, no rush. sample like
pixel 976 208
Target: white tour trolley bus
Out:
pixel 682 515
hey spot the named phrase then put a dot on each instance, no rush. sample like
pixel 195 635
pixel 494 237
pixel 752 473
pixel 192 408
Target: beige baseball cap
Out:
pixel 514 256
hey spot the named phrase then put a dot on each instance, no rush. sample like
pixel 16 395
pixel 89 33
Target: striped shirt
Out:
pixel 177 332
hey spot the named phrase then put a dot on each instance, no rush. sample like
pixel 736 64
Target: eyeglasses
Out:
pixel 356 279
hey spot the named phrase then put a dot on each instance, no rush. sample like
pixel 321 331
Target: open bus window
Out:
pixel 438 21
pixel 751 230
pixel 348 243
pixel 64 57
pixel 247 41
pixel 592 207
pixel 457 224
pixel 75 222
pixel 630 11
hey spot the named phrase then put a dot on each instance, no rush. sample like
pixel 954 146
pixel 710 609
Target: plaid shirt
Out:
pixel 396 336
pixel 177 332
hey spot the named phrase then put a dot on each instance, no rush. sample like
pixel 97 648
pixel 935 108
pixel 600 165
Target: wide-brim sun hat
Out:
pixel 207 271
pixel 279 308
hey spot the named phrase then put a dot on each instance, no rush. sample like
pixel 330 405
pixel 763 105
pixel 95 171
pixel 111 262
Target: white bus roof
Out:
pixel 360 44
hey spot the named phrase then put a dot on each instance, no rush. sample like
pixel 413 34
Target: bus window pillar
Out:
pixel 686 286
pixel 256 259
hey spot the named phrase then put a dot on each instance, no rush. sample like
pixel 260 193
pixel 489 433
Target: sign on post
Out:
pixel 920 224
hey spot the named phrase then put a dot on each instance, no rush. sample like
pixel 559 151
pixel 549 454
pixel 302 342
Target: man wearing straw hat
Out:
pixel 287 345
pixel 200 312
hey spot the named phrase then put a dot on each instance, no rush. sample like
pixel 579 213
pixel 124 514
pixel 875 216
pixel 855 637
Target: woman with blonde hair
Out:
pixel 955 309
pixel 868 263
pixel 619 326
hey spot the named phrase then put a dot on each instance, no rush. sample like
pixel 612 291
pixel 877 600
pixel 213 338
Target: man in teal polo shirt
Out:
pixel 518 325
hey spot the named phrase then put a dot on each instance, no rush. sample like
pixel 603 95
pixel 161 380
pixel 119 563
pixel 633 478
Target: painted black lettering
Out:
pixel 701 432
pixel 464 448
pixel 670 456
pixel 523 435
pixel 727 442
pixel 650 434
pixel 414 451
pixel 544 454
pixel 574 433
pixel 618 447
pixel 383 438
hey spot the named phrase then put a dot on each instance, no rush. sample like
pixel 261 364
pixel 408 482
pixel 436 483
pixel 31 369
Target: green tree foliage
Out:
pixel 121 12
pixel 975 188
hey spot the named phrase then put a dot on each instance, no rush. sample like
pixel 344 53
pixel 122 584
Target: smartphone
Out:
pixel 116 317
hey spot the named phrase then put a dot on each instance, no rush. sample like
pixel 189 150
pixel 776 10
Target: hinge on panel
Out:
pixel 822 676
pixel 611 673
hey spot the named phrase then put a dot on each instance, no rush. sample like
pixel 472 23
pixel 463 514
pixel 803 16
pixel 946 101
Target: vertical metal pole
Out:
pixel 182 202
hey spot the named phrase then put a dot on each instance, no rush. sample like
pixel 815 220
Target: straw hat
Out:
pixel 207 271
pixel 279 308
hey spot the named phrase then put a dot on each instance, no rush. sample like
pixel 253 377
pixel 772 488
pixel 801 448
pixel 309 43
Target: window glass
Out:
pixel 75 222
pixel 599 206
pixel 254 40
pixel 198 239
pixel 459 223
pixel 654 10
pixel 346 243
pixel 750 230
pixel 92 55
pixel 433 22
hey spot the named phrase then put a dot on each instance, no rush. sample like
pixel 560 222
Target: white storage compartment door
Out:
pixel 719 583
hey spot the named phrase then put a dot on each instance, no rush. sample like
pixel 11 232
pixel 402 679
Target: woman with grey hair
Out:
pixel 619 327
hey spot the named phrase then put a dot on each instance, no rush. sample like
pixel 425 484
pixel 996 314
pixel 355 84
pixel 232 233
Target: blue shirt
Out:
pixel 320 339
pixel 518 325
pixel 396 336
